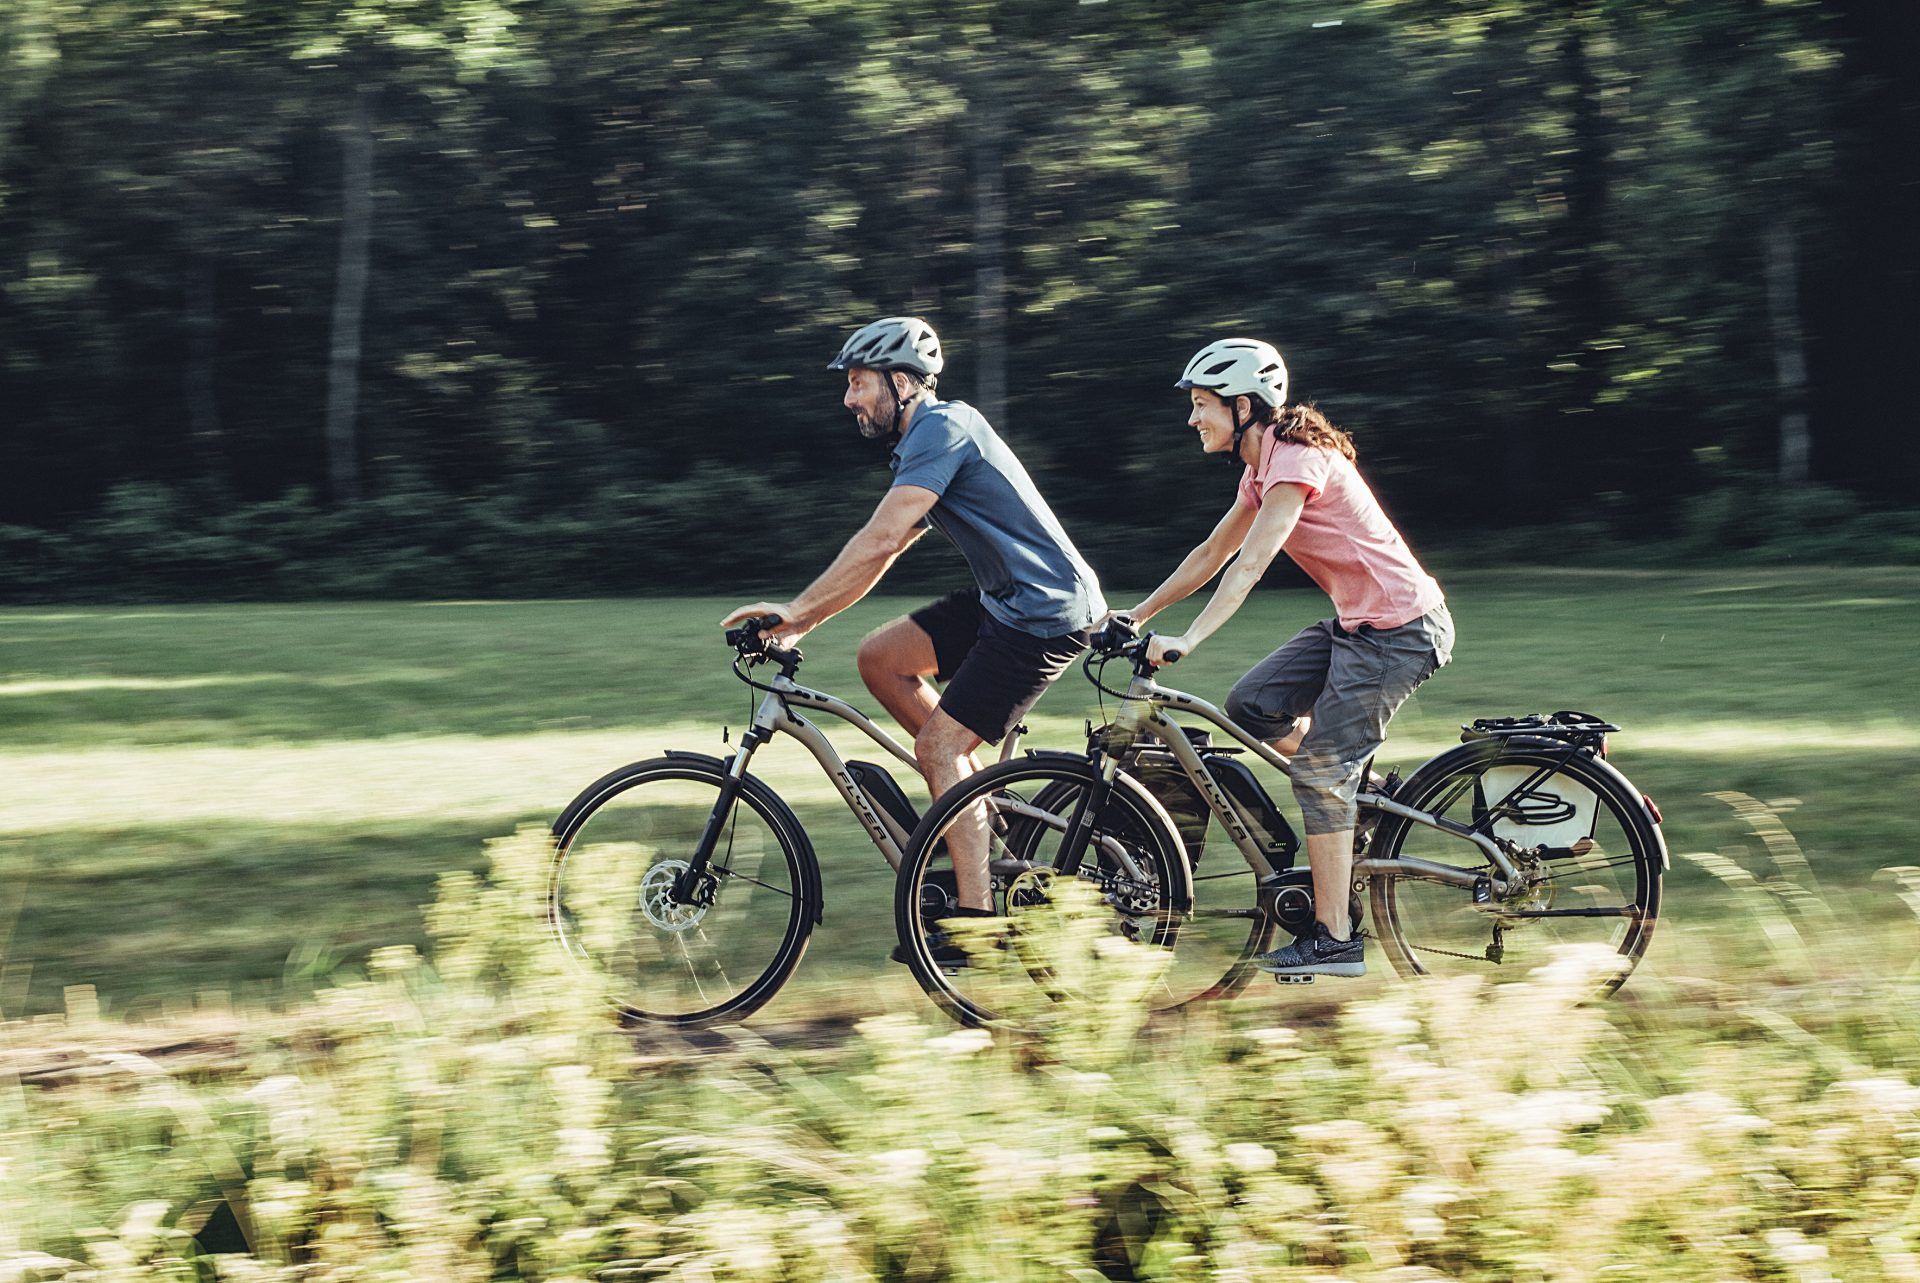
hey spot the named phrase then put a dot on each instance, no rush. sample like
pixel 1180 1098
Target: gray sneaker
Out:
pixel 1317 955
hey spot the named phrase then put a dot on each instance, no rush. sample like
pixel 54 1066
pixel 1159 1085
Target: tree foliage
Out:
pixel 1517 246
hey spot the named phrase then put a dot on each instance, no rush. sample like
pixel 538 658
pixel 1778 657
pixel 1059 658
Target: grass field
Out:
pixel 239 797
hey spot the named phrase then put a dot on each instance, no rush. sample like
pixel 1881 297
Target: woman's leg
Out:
pixel 1370 675
pixel 1272 701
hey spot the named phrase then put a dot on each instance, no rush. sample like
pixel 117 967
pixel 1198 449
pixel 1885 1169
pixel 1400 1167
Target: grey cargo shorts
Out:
pixel 1352 683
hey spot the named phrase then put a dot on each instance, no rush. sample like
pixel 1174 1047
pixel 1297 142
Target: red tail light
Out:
pixel 1654 808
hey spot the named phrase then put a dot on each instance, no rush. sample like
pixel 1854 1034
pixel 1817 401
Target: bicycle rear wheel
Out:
pixel 1132 862
pixel 620 847
pixel 1591 849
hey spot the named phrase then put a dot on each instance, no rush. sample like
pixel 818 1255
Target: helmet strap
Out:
pixel 898 405
pixel 1234 460
pixel 891 436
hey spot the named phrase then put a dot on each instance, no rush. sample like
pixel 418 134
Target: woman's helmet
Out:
pixel 1238 367
pixel 1233 368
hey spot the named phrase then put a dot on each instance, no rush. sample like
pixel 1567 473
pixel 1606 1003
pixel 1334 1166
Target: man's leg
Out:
pixel 895 660
pixel 1002 676
pixel 944 749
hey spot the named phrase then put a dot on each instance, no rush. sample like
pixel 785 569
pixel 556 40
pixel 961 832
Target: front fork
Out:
pixel 696 884
pixel 1086 812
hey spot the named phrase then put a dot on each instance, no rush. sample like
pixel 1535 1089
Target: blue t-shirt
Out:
pixel 1030 575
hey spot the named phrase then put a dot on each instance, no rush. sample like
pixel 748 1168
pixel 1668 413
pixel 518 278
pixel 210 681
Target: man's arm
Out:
pixel 1200 565
pixel 891 529
pixel 1279 513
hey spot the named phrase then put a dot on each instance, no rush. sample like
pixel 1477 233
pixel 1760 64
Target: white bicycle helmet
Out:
pixel 893 343
pixel 1233 368
pixel 1238 367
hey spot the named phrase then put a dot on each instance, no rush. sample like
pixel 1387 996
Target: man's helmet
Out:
pixel 893 343
pixel 1238 367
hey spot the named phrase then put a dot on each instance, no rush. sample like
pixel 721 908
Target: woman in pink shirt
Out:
pixel 1325 698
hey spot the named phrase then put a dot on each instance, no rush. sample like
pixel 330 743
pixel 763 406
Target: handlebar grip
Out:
pixel 749 630
pixel 1173 656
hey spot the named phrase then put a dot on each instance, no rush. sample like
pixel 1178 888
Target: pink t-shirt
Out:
pixel 1344 541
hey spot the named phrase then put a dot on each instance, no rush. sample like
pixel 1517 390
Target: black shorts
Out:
pixel 993 673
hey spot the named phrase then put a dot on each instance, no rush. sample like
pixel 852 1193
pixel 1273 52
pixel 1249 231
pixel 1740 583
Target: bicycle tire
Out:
pixel 1427 927
pixel 923 889
pixel 634 932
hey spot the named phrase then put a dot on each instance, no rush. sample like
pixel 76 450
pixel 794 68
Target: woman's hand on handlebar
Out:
pixel 1162 650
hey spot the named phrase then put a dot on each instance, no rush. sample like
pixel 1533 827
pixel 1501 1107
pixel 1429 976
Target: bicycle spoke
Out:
pixel 719 966
pixel 693 972
pixel 1594 877
pixel 614 909
pixel 756 881
pixel 1570 869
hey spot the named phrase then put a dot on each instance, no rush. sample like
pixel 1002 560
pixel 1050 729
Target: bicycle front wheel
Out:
pixel 1589 851
pixel 1020 812
pixel 619 850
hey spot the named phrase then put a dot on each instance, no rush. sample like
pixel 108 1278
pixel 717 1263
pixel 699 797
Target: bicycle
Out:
pixel 691 881
pixel 1523 836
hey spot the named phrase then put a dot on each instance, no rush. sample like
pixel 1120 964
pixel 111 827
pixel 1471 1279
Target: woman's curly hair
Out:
pixel 1303 424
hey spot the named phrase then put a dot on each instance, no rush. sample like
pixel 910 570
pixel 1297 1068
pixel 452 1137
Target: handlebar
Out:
pixel 749 645
pixel 1118 639
pixel 745 636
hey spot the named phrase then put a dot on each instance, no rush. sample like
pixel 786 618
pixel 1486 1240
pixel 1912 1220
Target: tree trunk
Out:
pixel 1789 351
pixel 198 384
pixel 990 249
pixel 349 299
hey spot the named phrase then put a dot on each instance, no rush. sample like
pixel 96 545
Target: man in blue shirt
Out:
pixel 996 649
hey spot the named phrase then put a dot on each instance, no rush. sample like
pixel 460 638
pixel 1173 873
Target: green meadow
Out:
pixel 243 799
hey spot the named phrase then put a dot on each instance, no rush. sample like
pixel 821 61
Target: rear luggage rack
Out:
pixel 1583 729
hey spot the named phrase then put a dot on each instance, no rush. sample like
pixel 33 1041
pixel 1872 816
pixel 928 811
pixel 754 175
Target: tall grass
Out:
pixel 474 1114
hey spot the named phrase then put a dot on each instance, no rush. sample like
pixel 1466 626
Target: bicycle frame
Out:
pixel 775 716
pixel 1142 713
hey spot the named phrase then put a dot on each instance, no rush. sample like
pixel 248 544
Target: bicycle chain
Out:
pixel 1448 953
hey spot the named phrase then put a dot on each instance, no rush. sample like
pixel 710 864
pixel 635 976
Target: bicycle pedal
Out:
pixel 1293 980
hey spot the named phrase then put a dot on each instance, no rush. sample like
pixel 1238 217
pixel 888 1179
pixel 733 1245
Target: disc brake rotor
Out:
pixel 657 902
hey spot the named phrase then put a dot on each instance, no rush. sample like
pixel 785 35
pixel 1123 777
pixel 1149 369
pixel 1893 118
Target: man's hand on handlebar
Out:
pixel 1114 630
pixel 781 633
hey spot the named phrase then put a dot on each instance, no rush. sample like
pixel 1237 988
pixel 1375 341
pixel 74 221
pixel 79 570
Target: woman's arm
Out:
pixel 1202 564
pixel 1279 513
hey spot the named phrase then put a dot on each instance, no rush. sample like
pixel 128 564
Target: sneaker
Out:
pixel 1317 955
pixel 947 955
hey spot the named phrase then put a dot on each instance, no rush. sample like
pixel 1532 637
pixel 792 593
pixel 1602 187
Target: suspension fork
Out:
pixel 1092 805
pixel 696 884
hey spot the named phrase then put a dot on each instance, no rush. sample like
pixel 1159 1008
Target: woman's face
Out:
pixel 1212 419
